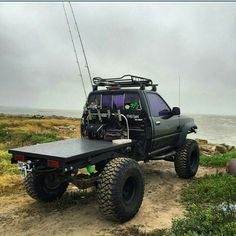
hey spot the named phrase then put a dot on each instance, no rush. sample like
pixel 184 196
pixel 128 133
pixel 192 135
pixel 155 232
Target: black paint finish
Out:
pixel 68 150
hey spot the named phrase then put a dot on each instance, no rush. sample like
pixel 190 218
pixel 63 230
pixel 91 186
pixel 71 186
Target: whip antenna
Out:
pixel 179 89
pixel 81 42
pixel 74 48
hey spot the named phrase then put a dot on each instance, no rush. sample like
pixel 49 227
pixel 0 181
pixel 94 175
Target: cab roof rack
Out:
pixel 124 81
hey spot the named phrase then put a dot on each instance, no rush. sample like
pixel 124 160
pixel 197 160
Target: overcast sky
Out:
pixel 156 40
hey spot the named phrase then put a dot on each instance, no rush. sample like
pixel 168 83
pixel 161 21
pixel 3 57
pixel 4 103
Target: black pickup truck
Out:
pixel 123 124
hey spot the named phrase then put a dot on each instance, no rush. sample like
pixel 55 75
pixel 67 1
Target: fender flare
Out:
pixel 188 128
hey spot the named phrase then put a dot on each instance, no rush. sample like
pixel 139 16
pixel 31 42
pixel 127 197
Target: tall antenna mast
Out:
pixel 81 42
pixel 179 89
pixel 76 55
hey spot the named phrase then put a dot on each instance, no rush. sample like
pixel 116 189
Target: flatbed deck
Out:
pixel 69 149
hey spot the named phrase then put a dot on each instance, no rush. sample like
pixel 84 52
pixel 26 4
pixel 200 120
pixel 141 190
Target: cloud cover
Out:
pixel 155 40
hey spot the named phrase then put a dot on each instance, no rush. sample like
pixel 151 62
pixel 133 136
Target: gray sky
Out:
pixel 154 40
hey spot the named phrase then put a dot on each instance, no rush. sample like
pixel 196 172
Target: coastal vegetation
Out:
pixel 217 160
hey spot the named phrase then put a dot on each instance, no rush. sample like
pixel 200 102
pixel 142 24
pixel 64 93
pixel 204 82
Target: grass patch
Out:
pixel 10 184
pixel 211 189
pixel 219 160
pixel 6 168
pixel 22 138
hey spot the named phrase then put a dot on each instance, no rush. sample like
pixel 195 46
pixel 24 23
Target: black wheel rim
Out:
pixel 52 181
pixel 194 160
pixel 129 190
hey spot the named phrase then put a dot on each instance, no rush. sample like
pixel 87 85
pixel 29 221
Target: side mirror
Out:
pixel 176 111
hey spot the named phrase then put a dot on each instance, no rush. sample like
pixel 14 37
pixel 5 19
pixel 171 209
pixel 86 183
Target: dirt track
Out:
pixel 77 213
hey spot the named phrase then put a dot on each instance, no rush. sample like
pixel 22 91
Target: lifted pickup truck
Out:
pixel 123 124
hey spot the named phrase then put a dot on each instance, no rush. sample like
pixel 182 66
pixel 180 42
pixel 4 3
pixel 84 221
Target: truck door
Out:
pixel 165 126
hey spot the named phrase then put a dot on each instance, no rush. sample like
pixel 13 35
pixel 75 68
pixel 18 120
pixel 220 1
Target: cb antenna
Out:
pixel 81 42
pixel 75 51
pixel 179 89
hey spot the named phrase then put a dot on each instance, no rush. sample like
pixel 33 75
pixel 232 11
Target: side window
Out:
pixel 132 101
pixel 157 105
pixel 94 100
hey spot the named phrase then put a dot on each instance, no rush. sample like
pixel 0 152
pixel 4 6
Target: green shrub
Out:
pixel 3 147
pixel 22 138
pixel 211 189
pixel 205 221
pixel 3 134
pixel 4 156
pixel 5 164
pixel 8 169
pixel 217 160
pixel 4 125
pixel 43 138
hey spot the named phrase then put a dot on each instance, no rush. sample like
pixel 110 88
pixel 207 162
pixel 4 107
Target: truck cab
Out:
pixel 139 113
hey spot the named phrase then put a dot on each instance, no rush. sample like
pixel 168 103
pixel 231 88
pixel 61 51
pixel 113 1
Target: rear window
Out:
pixel 129 101
pixel 132 101
pixel 106 101
pixel 118 101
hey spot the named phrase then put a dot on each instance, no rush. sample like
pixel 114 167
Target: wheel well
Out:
pixel 187 129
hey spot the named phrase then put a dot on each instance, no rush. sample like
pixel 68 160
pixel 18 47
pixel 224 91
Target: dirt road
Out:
pixel 77 212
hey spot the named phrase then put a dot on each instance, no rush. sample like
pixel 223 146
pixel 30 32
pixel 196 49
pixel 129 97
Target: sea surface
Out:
pixel 214 128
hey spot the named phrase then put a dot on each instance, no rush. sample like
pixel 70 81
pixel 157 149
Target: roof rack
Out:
pixel 124 81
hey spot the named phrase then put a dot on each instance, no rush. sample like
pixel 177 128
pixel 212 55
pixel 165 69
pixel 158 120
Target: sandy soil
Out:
pixel 21 215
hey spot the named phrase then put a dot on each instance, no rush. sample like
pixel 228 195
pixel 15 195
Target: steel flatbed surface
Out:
pixel 69 149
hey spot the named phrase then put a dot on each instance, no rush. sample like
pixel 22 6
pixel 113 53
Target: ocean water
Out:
pixel 214 128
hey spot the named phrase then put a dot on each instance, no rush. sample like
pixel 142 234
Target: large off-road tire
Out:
pixel 45 187
pixel 120 189
pixel 187 159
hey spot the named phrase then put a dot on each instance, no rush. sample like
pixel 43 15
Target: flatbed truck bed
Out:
pixel 70 150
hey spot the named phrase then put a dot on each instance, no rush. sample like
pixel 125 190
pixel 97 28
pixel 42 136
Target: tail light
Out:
pixel 54 164
pixel 20 158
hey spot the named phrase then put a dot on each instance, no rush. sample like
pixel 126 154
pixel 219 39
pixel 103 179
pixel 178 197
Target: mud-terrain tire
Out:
pixel 187 159
pixel 43 187
pixel 120 189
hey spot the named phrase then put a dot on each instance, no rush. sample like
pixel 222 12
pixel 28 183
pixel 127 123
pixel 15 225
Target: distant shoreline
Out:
pixel 11 110
pixel 44 112
pixel 37 116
